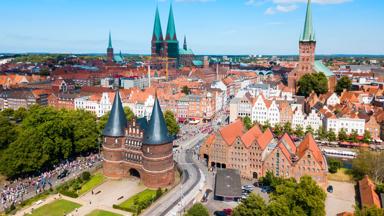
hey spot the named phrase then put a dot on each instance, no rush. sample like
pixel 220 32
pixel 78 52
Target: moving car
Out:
pixel 330 189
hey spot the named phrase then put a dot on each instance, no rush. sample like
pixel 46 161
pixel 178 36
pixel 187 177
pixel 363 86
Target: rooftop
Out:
pixel 228 183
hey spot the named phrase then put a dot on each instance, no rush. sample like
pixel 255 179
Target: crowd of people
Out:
pixel 20 189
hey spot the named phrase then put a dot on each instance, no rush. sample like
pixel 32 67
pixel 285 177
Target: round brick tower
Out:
pixel 113 140
pixel 158 165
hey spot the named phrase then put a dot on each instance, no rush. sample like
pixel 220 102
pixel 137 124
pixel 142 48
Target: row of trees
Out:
pixel 289 197
pixel 38 138
pixel 320 134
pixel 35 140
pixel 318 83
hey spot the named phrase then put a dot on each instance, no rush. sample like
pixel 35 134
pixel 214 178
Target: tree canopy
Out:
pixel 197 209
pixel 316 82
pixel 45 137
pixel 369 163
pixel 288 198
pixel 170 120
pixel 186 90
pixel 343 83
pixel 247 122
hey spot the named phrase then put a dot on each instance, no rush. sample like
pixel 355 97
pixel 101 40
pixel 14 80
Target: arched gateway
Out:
pixel 138 148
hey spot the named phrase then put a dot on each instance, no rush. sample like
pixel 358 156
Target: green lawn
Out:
pixel 143 196
pixel 102 213
pixel 95 181
pixel 342 175
pixel 56 208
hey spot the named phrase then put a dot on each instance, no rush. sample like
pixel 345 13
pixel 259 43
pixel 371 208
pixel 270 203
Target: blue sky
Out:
pixel 211 26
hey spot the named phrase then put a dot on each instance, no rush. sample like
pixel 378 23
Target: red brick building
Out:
pixel 254 153
pixel 138 148
pixel 307 63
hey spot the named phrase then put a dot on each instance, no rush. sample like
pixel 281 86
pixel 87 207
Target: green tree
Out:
pixel 247 122
pixel 331 136
pixel 288 128
pixel 186 90
pixel 278 130
pixel 353 136
pixel 265 126
pixel 316 82
pixel 253 205
pixel 20 114
pixel 343 83
pixel 197 209
pixel 309 129
pixel 342 136
pixel 321 133
pixel 334 165
pixel 369 163
pixel 367 137
pixel 170 120
pixel 369 211
pixel 8 132
pixel 299 131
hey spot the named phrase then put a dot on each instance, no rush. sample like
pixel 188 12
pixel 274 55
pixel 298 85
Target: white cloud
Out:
pixel 286 8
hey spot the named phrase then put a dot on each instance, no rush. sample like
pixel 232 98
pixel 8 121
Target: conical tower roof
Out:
pixel 308 33
pixel 110 41
pixel 117 121
pixel 171 29
pixel 185 47
pixel 157 31
pixel 157 131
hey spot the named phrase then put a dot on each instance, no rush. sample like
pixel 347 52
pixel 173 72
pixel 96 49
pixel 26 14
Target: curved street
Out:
pixel 174 200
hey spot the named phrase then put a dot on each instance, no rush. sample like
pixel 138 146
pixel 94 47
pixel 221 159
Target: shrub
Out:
pixel 86 176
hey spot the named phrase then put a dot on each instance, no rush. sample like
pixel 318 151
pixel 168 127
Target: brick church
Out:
pixel 138 148
pixel 168 47
pixel 307 63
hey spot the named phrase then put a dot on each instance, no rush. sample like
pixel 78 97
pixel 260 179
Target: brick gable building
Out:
pixel 254 153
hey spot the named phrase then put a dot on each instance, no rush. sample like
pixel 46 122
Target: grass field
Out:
pixel 102 213
pixel 56 208
pixel 341 175
pixel 143 196
pixel 95 181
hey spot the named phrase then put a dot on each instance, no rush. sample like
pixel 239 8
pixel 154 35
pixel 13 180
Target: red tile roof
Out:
pixel 232 131
pixel 309 143
pixel 265 138
pixel 368 196
pixel 251 135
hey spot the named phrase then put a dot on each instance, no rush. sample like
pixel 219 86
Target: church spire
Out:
pixel 185 47
pixel 157 131
pixel 171 29
pixel 157 31
pixel 110 41
pixel 308 33
pixel 117 121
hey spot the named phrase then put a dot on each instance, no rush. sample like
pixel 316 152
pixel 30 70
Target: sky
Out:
pixel 255 27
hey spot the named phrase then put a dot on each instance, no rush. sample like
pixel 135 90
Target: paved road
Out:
pixel 190 178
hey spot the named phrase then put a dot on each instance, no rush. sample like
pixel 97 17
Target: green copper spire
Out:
pixel 157 31
pixel 171 29
pixel 308 33
pixel 110 41
pixel 185 47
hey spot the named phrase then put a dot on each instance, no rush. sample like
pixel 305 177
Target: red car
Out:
pixel 228 211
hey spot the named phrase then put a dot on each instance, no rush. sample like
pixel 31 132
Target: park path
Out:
pixel 103 198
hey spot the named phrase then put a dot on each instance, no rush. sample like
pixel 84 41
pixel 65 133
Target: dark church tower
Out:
pixel 157 42
pixel 172 44
pixel 158 165
pixel 110 49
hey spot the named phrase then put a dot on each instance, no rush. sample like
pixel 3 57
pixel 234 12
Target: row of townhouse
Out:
pixel 261 110
pixel 22 98
pixel 254 153
pixel 98 103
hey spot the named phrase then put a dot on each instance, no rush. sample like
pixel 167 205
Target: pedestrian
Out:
pixel 92 192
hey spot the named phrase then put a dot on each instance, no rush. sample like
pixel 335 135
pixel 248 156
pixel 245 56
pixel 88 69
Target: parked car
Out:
pixel 206 195
pixel 219 213
pixel 228 211
pixel 330 189
pixel 63 174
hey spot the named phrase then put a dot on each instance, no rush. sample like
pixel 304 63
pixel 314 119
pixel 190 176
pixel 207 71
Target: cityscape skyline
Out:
pixel 254 28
